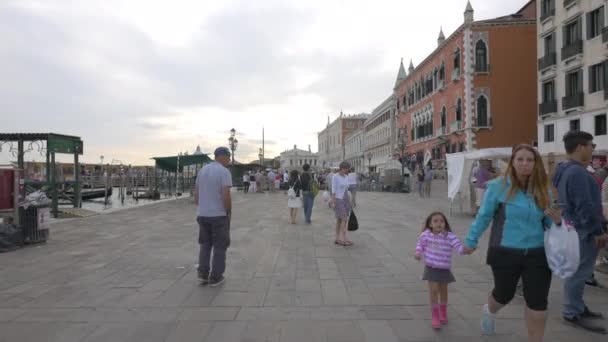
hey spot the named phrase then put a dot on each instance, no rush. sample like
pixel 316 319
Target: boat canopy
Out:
pixel 171 163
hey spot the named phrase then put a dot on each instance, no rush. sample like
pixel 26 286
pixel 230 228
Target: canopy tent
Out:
pixel 460 166
pixel 170 163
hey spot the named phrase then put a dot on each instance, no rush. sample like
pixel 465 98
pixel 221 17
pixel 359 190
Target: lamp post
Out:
pixel 402 145
pixel 233 143
pixel 369 160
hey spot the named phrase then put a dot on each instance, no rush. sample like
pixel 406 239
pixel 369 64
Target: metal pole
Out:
pixel 77 186
pixel 20 153
pixel 55 201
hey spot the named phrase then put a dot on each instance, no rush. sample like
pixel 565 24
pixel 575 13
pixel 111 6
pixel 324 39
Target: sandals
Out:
pixel 343 243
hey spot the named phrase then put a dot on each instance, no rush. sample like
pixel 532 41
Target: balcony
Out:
pixel 576 100
pixel 440 131
pixel 567 3
pixel 547 107
pixel 605 34
pixel 455 75
pixel 547 14
pixel 482 68
pixel 547 61
pixel 455 126
pixel 572 49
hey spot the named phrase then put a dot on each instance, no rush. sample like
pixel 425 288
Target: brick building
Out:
pixel 476 90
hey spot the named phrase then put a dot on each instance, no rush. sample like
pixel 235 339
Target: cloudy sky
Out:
pixel 143 78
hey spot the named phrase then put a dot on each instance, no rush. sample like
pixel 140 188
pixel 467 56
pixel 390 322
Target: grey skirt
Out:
pixel 343 207
pixel 438 275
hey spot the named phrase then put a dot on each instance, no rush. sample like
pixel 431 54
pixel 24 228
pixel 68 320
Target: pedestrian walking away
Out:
pixel 340 202
pixel 270 178
pixel 420 178
pixel 353 186
pixel 581 200
pixel 214 202
pixel 518 204
pixel 294 198
pixel 428 180
pixel 252 183
pixel 308 196
pixel 246 183
pixel 435 246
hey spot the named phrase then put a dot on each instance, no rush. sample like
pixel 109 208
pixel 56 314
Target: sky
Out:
pixel 137 79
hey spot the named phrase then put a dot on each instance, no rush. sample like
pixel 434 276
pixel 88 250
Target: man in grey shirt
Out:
pixel 212 195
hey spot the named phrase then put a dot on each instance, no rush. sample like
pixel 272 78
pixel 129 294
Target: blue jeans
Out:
pixel 574 287
pixel 309 201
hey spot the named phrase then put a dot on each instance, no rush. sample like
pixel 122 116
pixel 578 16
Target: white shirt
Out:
pixel 286 177
pixel 245 178
pixel 339 185
pixel 352 178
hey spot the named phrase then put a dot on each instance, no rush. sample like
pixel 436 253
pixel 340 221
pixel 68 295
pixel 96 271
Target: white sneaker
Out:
pixel 488 321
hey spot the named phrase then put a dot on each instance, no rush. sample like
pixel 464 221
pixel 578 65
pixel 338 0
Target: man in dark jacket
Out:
pixel 580 198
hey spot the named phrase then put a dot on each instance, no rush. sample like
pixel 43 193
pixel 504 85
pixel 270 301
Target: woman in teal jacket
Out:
pixel 518 204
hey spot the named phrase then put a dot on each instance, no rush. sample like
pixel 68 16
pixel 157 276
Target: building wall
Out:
pixel 594 51
pixel 333 138
pixel 510 86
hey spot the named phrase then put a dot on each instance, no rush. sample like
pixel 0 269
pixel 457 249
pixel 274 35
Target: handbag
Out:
pixel 314 186
pixel 353 224
pixel 562 248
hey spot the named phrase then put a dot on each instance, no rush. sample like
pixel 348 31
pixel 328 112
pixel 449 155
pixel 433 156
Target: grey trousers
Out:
pixel 214 235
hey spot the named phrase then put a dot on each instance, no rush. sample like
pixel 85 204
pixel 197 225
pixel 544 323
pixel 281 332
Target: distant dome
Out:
pixel 198 151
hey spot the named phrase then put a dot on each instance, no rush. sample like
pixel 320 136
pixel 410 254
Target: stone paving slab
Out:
pixel 131 276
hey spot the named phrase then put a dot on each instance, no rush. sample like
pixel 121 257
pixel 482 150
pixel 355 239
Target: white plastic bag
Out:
pixel 562 248
pixel 326 197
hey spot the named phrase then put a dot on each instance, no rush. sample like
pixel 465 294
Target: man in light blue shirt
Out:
pixel 212 195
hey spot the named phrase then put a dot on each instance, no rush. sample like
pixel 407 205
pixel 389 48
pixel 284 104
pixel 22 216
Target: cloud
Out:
pixel 137 79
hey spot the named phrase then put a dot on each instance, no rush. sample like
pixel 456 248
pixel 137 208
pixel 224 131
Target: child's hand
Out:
pixel 417 257
pixel 467 250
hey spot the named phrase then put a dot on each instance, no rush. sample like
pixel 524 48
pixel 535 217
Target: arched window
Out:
pixel 443 117
pixel 482 112
pixel 459 110
pixel 481 56
pixel 442 72
pixel 457 59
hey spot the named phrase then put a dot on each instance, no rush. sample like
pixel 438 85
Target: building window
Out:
pixel 457 60
pixel 575 125
pixel 547 9
pixel 442 72
pixel 600 124
pixel 573 32
pixel 443 117
pixel 549 133
pixel 459 110
pixel 574 83
pixel 548 92
pixel 481 56
pixel 461 147
pixel 549 44
pixel 596 78
pixel 595 22
pixel 482 112
pixel 290 162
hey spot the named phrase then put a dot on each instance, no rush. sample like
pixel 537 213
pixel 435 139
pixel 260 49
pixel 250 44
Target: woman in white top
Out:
pixel 352 186
pixel 341 203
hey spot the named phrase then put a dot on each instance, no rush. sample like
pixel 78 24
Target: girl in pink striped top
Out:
pixel 436 245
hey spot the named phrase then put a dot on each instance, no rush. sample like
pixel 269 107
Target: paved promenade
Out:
pixel 131 276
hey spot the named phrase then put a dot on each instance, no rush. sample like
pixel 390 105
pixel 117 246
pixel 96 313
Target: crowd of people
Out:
pixel 519 205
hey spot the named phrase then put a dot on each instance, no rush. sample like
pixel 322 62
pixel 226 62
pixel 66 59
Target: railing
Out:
pixel 605 34
pixel 547 107
pixel 576 100
pixel 440 85
pixel 547 14
pixel 547 61
pixel 456 126
pixel 440 131
pixel 572 49
pixel 456 74
pixel 567 3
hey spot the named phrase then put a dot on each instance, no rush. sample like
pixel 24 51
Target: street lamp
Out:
pixel 369 159
pixel 261 155
pixel 402 145
pixel 233 143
